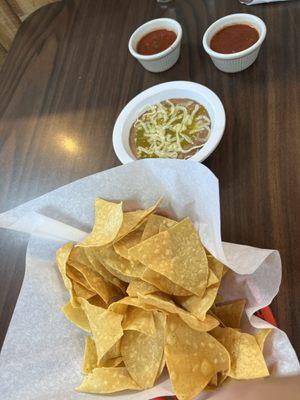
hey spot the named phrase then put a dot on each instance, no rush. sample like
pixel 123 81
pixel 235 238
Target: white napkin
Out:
pixel 252 2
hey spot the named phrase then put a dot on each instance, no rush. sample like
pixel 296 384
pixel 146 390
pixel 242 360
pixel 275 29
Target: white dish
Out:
pixel 235 62
pixel 165 59
pixel 164 91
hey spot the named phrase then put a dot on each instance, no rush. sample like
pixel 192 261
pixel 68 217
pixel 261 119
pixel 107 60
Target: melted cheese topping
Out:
pixel 170 129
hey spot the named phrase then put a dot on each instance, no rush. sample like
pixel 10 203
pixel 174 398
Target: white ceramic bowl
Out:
pixel 235 62
pixel 164 91
pixel 165 59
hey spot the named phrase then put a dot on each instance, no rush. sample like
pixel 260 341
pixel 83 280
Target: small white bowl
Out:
pixel 165 59
pixel 164 91
pixel 235 62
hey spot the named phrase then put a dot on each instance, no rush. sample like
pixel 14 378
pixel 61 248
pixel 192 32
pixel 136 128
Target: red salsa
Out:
pixel 234 38
pixel 156 42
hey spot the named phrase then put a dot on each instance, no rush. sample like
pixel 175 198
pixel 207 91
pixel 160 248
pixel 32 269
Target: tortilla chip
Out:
pixel 137 286
pixel 261 336
pixel 132 239
pixel 62 256
pixel 76 276
pixel 76 316
pixel 247 361
pixel 230 314
pixel 97 301
pixel 108 221
pixel 162 283
pixel 107 380
pixel 212 278
pixel 177 254
pixel 133 219
pixel 153 224
pixel 96 282
pixel 105 326
pixel 192 357
pixel 112 353
pixel 164 303
pixel 90 356
pixel 81 291
pixel 142 353
pixel 120 307
pixel 140 320
pixel 117 265
pixel 96 264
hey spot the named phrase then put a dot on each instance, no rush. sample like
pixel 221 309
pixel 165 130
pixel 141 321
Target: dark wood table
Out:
pixel 69 74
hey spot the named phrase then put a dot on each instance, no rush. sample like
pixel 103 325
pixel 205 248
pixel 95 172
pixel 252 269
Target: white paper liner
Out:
pixel 42 353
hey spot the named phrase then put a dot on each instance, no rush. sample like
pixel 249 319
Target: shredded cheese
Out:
pixel 167 129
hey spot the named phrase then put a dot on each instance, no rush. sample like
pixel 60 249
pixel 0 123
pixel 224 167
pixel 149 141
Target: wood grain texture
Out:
pixel 69 74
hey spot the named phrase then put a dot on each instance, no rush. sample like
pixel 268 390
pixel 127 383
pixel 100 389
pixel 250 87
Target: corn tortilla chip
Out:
pixel 140 320
pixel 164 303
pixel 162 283
pixel 230 314
pixel 142 353
pixel 105 326
pixel 133 219
pixel 108 221
pixel 132 239
pixel 192 357
pixel 81 291
pixel 153 224
pixel 90 356
pixel 137 286
pixel 96 282
pixel 76 316
pixel 247 361
pixel 62 256
pixel 177 254
pixel 96 264
pixel 261 336
pixel 107 380
pixel 77 276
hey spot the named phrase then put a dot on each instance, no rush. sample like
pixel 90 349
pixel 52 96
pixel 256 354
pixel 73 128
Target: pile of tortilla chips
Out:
pixel 146 291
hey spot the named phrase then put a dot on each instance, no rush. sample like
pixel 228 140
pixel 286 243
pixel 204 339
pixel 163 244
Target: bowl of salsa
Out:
pixel 156 44
pixel 233 42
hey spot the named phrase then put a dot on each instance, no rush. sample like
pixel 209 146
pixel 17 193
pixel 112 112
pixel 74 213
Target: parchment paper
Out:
pixel 42 353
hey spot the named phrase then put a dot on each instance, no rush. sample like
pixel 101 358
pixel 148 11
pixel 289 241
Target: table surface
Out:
pixel 69 74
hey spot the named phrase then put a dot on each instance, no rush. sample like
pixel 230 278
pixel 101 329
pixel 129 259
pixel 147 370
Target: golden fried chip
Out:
pixel 76 316
pixel 231 313
pixel 162 283
pixel 107 380
pixel 164 303
pixel 133 219
pixel 153 224
pixel 108 221
pixel 120 307
pixel 212 278
pixel 96 265
pixel 81 291
pixel 76 276
pixel 90 356
pixel 112 353
pixel 177 254
pixel 132 239
pixel 261 336
pixel 105 326
pixel 142 353
pixel 117 265
pixel 97 283
pixel 192 357
pixel 247 361
pixel 62 256
pixel 137 286
pixel 137 319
